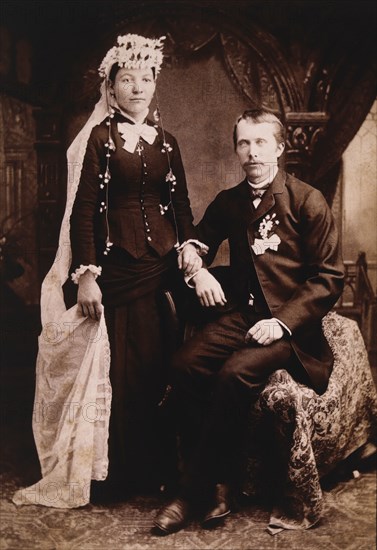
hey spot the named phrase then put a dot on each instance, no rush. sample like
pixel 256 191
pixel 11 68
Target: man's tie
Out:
pixel 258 193
pixel 131 133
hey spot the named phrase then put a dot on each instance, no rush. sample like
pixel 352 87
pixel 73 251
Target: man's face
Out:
pixel 257 149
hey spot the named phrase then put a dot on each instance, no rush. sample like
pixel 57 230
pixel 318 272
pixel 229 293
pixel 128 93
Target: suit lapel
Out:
pixel 268 199
pixel 244 208
pixel 267 202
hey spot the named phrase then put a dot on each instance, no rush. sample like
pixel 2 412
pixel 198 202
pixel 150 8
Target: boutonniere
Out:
pixel 268 239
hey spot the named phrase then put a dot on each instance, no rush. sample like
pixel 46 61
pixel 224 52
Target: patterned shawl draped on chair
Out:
pixel 314 432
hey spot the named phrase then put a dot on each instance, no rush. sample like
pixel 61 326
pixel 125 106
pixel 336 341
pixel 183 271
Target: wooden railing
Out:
pixel 359 302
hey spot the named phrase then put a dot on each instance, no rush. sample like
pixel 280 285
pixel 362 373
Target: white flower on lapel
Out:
pixel 268 239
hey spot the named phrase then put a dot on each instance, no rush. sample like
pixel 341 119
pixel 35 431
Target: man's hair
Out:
pixel 261 115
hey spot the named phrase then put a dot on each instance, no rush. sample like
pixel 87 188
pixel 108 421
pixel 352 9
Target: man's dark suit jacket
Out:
pixel 303 279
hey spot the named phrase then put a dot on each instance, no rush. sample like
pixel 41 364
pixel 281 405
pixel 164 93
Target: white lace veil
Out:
pixel 73 393
pixel 52 300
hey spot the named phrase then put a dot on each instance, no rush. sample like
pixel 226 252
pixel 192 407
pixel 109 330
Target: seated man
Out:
pixel 286 274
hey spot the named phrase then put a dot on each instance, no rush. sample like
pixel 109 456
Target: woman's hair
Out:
pixel 115 68
pixel 261 115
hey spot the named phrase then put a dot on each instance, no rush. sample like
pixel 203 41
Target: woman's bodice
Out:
pixel 127 210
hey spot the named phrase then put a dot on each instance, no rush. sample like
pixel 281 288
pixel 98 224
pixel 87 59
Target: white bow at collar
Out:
pixel 131 133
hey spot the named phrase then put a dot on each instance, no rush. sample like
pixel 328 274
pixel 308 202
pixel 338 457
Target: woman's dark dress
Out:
pixel 142 262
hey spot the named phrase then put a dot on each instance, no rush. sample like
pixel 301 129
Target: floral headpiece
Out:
pixel 134 52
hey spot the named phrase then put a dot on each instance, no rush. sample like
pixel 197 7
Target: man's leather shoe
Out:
pixel 173 517
pixel 220 508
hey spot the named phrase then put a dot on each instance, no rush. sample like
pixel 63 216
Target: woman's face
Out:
pixel 134 89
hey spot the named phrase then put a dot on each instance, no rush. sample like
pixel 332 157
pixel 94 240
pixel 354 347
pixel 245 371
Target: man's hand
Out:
pixel 89 296
pixel 208 289
pixel 189 260
pixel 264 332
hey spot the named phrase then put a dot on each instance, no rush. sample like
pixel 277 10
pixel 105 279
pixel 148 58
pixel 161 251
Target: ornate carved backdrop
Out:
pixel 324 100
pixel 323 87
pixel 18 199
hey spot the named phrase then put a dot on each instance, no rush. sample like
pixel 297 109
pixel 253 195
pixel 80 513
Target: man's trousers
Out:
pixel 216 376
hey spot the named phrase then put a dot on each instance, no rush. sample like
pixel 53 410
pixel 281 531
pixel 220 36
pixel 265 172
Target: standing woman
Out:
pixel 129 230
pixel 130 217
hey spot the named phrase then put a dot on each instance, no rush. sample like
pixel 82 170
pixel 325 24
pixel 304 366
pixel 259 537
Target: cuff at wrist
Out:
pixel 202 248
pixel 96 270
pixel 283 326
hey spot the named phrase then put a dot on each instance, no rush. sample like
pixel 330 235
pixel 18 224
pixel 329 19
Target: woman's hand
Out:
pixel 89 296
pixel 189 260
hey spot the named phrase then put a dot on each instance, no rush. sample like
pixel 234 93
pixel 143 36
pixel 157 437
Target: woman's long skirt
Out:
pixel 142 445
